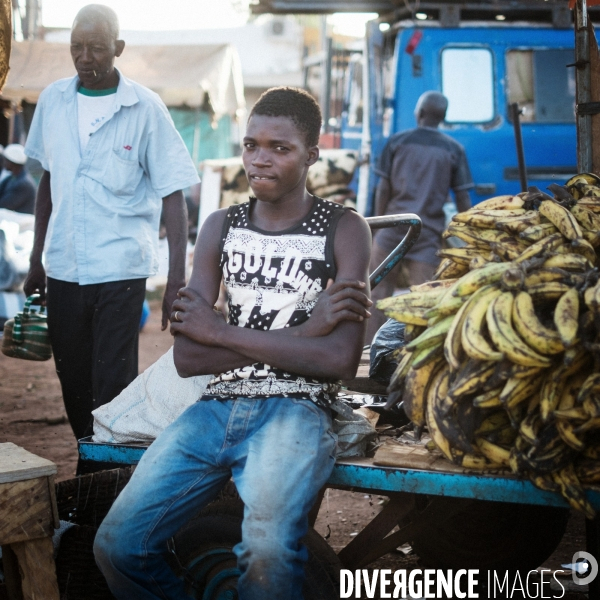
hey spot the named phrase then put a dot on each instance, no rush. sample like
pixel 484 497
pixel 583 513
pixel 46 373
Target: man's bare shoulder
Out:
pixel 353 226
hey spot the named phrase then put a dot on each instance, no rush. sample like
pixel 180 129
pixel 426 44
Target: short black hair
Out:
pixel 99 13
pixel 295 103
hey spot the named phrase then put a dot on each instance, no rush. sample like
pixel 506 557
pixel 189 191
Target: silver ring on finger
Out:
pixel 177 316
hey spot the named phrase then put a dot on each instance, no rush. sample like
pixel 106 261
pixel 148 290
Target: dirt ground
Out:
pixel 32 416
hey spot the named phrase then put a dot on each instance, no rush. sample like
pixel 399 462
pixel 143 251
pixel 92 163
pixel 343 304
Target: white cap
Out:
pixel 15 153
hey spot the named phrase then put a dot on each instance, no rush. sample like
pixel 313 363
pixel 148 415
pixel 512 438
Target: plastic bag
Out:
pixel 388 338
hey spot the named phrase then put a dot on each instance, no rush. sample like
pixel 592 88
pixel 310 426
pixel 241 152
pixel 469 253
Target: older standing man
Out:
pixel 110 152
pixel 417 170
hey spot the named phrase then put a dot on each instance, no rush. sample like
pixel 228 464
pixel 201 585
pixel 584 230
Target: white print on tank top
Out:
pixel 273 281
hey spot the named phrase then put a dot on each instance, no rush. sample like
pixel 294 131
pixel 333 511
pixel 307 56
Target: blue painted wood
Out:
pixel 361 474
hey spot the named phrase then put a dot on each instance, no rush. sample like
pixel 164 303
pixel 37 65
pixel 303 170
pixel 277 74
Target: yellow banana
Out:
pixel 476 279
pixel 590 202
pixel 572 491
pixel 584 248
pixel 448 269
pixel 415 390
pixel 546 244
pixel 552 389
pixel 473 340
pixel 399 375
pixel 566 317
pixel 501 202
pixel 584 178
pixel 530 328
pixel 587 219
pixel 478 262
pixel 535 233
pixel 453 350
pixel 568 262
pixel 493 452
pixel 517 224
pixel 424 356
pixel 548 291
pixel 469 380
pixel 568 435
pixel 564 221
pixel 544 275
pixel 593 237
pixel 432 335
pixel 489 399
pixel 486 218
pixel 432 285
pixel 521 372
pixel 516 391
pixel 438 389
pixel 499 320
pixel 412 331
pixel 461 255
pixel 507 250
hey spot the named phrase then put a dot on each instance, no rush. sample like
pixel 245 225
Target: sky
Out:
pixel 180 14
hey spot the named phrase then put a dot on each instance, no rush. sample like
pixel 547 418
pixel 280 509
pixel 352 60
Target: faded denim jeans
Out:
pixel 280 452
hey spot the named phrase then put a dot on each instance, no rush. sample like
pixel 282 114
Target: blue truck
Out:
pixel 483 61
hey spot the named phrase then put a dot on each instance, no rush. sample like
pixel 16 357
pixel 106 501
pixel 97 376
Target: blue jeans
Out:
pixel 280 452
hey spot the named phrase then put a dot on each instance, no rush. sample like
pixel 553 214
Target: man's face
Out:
pixel 93 50
pixel 276 157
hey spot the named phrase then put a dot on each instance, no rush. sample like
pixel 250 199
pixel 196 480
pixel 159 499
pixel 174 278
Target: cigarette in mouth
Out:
pixel 95 74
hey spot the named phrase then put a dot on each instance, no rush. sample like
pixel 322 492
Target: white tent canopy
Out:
pixel 180 75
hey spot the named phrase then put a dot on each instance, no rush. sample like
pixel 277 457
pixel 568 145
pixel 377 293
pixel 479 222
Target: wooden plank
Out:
pixel 53 505
pixel 25 511
pixel 16 464
pixel 38 571
pixel 395 454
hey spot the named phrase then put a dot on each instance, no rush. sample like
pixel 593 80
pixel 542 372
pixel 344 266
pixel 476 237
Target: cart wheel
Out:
pixel 491 535
pixel 204 551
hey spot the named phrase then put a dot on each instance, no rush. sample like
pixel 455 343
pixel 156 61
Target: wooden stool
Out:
pixel 28 517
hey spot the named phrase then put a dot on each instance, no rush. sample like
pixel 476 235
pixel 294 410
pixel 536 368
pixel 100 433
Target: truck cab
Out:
pixel 483 63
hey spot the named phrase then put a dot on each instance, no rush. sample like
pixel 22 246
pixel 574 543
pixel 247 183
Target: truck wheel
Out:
pixel 204 557
pixel 491 535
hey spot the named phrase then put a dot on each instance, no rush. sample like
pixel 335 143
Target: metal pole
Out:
pixel 584 85
pixel 327 64
pixel 516 119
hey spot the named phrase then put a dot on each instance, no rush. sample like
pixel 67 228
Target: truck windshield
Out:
pixel 530 74
pixel 468 83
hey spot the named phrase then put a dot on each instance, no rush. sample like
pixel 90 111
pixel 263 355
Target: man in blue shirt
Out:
pixel 110 153
pixel 17 191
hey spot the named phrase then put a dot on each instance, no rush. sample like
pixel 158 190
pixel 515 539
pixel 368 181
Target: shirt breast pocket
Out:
pixel 122 175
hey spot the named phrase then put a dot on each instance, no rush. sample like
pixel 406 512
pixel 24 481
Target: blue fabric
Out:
pixel 280 452
pixel 106 202
pixel 17 192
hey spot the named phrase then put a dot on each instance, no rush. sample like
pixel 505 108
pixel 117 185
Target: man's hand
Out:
pixel 168 299
pixel 35 282
pixel 193 317
pixel 344 300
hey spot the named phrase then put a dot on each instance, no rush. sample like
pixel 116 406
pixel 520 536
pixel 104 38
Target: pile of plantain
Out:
pixel 502 360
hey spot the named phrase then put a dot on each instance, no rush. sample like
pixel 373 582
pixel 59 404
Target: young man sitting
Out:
pixel 265 419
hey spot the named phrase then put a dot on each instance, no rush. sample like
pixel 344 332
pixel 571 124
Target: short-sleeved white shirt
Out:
pixel 106 198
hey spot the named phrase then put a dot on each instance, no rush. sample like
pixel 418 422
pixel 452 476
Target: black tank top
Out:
pixel 273 280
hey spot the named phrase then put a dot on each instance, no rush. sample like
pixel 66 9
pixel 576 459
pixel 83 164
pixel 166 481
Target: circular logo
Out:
pixel 591 570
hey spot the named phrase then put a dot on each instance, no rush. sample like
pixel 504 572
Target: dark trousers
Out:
pixel 94 331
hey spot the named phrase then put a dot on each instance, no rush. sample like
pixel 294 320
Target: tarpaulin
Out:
pixel 180 75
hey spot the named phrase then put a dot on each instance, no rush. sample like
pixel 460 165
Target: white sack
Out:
pixel 151 402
